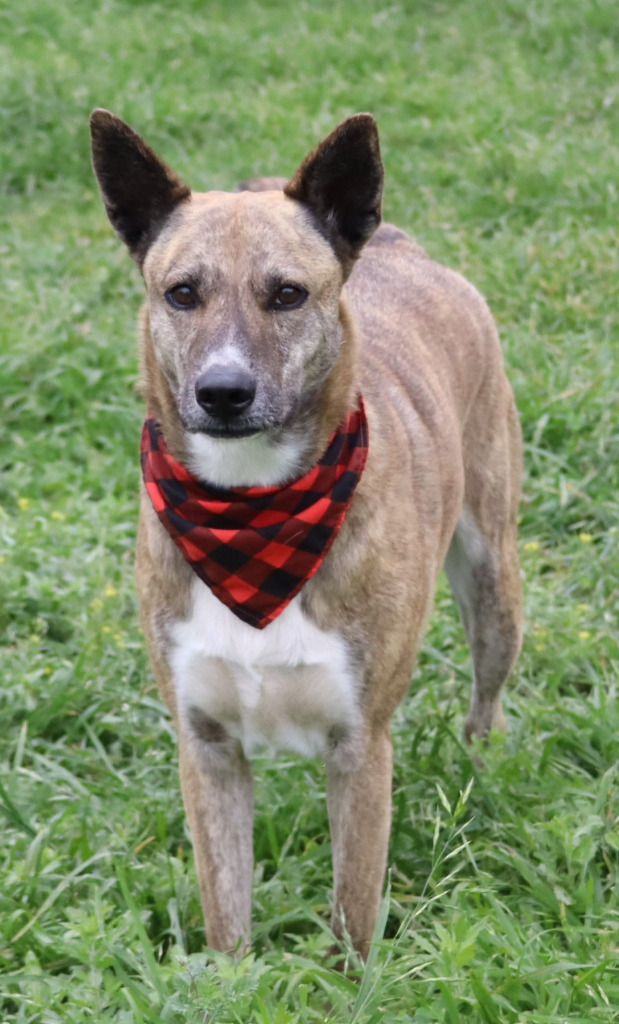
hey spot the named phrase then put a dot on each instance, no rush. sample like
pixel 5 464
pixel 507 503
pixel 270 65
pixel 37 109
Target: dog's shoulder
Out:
pixel 268 184
pixel 391 237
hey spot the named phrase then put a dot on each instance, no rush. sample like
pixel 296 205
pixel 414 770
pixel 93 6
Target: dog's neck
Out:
pixel 256 460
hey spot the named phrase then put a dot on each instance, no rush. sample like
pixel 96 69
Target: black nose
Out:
pixel 225 391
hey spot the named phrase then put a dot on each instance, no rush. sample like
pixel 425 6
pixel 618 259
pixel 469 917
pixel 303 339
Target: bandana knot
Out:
pixel 256 547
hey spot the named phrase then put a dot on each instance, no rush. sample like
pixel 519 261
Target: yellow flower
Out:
pixel 584 634
pixel 2 559
pixel 23 503
pixel 58 516
pixel 531 546
pixel 96 604
pixel 110 591
pixel 583 607
pixel 106 629
pixel 585 538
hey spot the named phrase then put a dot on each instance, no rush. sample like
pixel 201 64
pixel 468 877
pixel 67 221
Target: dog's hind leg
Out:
pixel 218 794
pixel 484 573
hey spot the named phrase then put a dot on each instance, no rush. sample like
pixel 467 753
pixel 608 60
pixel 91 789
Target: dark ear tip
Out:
pixel 359 131
pixel 102 121
pixel 360 124
pixel 100 116
pixel 364 118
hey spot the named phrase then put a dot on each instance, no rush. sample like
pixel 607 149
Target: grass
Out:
pixel 499 131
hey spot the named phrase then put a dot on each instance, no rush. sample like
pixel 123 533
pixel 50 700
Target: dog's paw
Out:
pixel 483 719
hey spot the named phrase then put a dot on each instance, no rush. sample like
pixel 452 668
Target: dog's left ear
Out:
pixel 342 184
pixel 139 191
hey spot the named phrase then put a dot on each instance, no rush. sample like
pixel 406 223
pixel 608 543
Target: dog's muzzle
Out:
pixel 225 392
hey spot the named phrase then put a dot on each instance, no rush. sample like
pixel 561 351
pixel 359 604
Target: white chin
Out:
pixel 244 462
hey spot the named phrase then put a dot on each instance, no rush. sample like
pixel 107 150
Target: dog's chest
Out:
pixel 289 686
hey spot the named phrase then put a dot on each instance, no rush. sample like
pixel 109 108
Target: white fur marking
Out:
pixel 244 462
pixel 228 353
pixel 280 688
pixel 468 549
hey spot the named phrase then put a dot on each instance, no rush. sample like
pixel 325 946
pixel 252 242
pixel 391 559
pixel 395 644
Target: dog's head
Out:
pixel 243 291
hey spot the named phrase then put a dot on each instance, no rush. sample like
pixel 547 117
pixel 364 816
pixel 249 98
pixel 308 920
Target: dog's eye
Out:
pixel 182 296
pixel 289 296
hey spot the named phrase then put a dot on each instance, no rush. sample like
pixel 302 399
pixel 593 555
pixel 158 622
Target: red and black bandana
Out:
pixel 255 547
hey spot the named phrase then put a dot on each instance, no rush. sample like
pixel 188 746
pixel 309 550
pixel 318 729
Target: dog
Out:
pixel 329 424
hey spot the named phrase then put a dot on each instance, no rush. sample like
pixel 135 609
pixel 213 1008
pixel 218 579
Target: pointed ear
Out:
pixel 342 183
pixel 139 191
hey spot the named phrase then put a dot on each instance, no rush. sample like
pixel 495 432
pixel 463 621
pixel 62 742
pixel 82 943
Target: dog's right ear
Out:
pixel 341 182
pixel 139 191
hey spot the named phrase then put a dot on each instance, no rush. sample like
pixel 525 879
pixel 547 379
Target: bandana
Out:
pixel 256 547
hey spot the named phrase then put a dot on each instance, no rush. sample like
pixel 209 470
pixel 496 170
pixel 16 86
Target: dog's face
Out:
pixel 243 289
pixel 243 301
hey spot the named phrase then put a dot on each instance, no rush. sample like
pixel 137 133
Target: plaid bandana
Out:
pixel 255 547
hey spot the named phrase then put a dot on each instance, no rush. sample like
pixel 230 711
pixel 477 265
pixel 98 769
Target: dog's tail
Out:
pixel 262 185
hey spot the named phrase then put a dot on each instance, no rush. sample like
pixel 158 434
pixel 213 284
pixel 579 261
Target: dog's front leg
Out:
pixel 218 793
pixel 359 804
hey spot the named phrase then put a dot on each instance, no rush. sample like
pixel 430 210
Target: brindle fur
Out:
pixel 441 485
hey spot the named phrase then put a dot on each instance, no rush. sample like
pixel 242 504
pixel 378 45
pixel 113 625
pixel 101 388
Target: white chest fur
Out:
pixel 289 686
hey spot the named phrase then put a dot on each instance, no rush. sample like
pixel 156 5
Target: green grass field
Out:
pixel 500 133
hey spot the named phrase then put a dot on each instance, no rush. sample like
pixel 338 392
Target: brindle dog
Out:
pixel 295 294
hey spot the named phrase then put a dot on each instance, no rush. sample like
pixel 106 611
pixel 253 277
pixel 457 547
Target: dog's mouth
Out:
pixel 228 432
pixel 233 428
